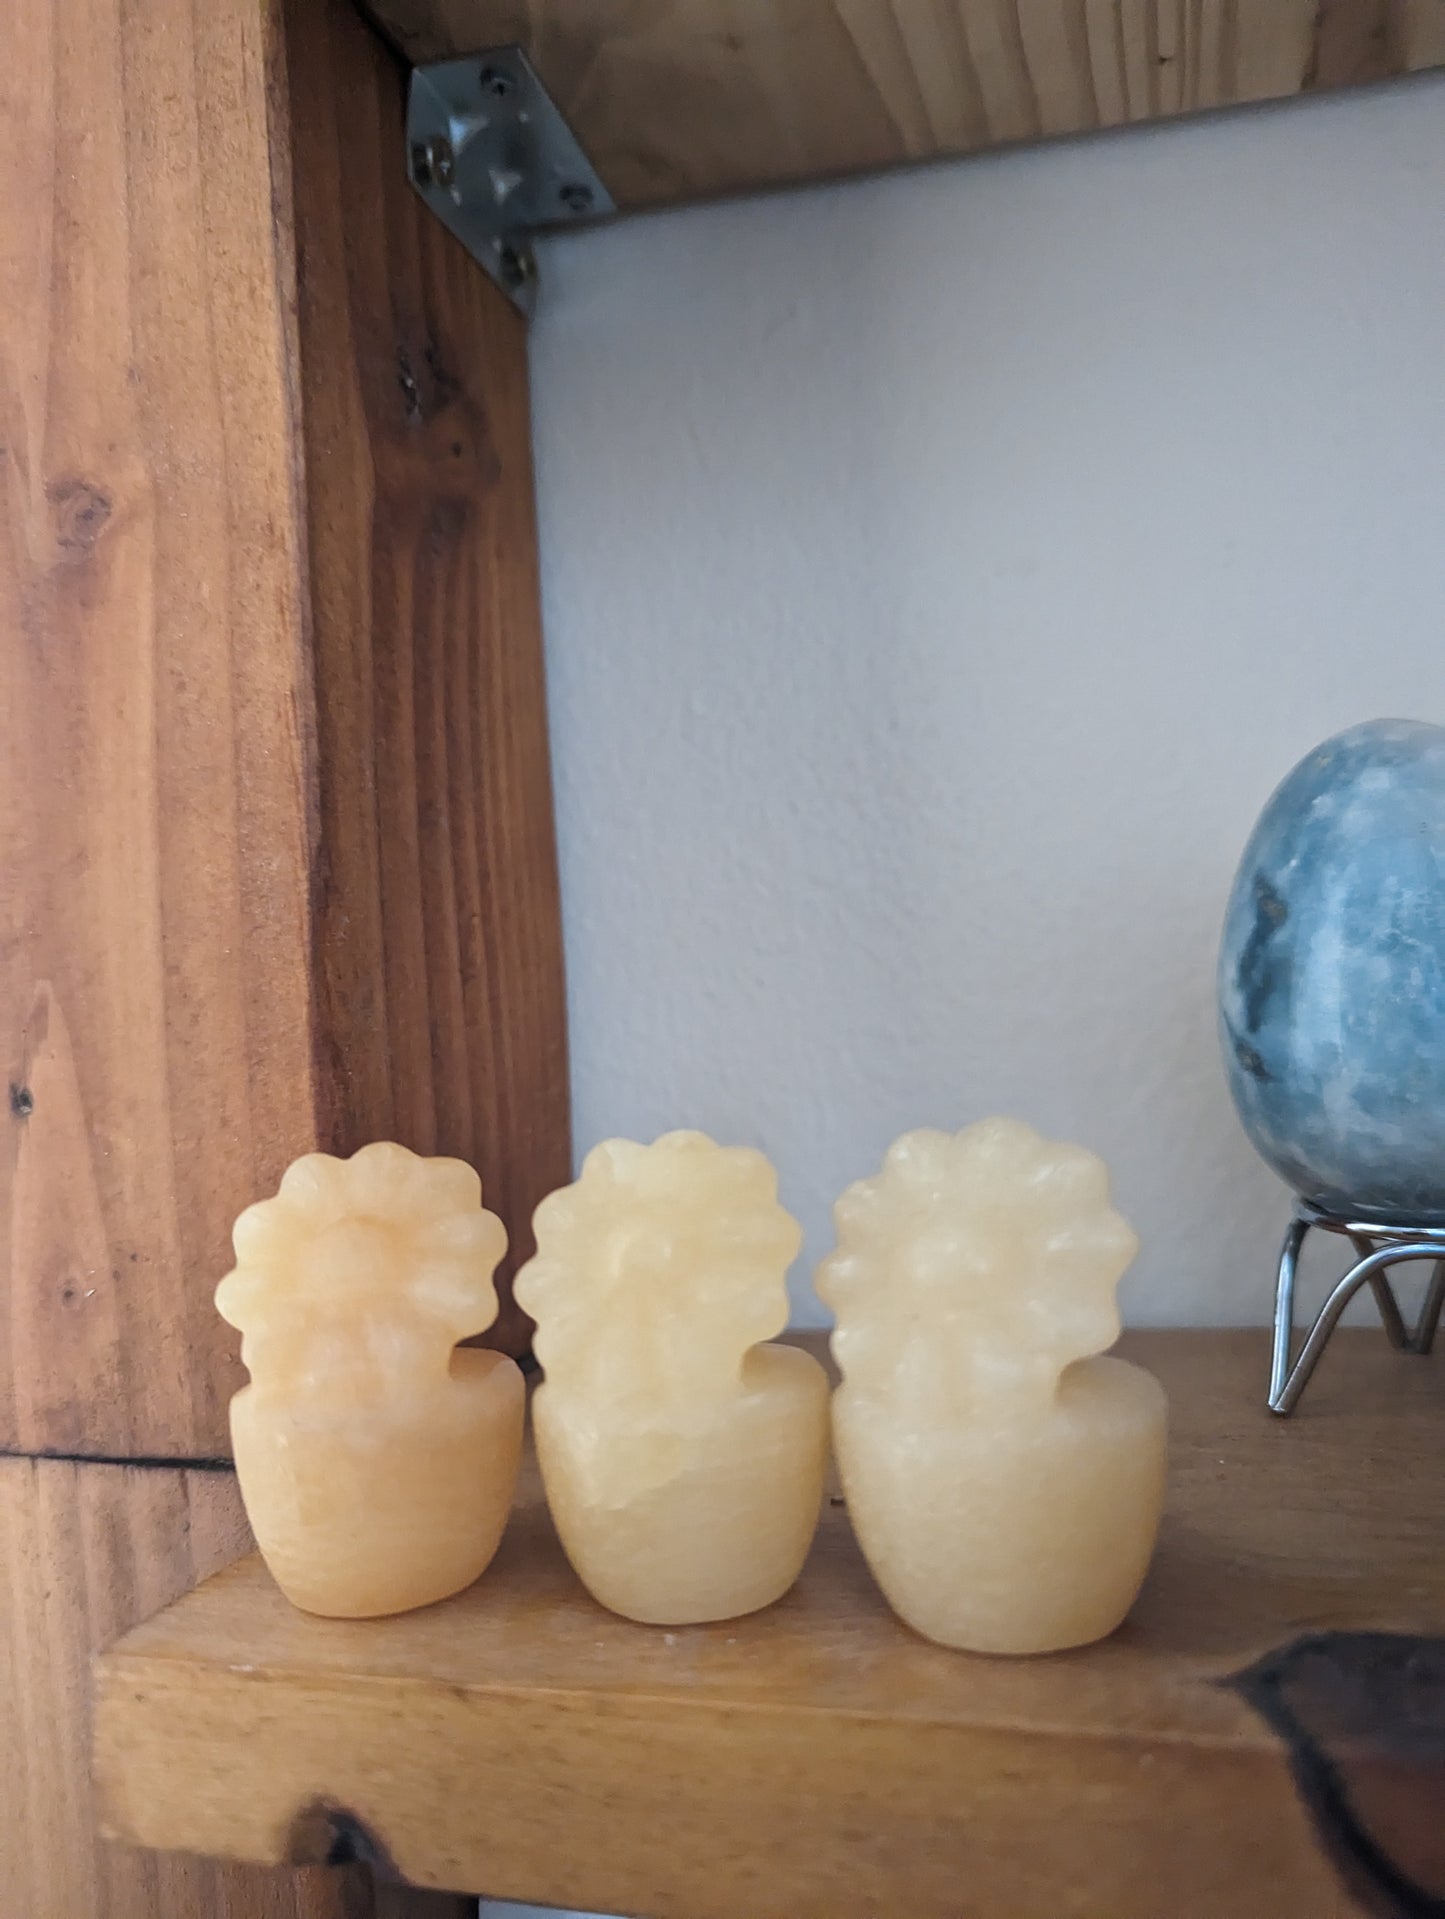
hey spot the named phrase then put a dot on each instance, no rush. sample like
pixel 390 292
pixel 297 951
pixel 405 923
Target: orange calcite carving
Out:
pixel 683 1460
pixel 1004 1480
pixel 376 1462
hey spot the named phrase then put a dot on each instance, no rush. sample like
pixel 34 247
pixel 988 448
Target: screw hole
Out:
pixel 516 266
pixel 440 159
pixel 432 162
pixel 22 1102
pixel 495 82
pixel 575 196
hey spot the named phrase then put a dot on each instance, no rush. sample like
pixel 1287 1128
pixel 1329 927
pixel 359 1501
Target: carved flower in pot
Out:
pixel 683 1457
pixel 377 1460
pixel 1004 1475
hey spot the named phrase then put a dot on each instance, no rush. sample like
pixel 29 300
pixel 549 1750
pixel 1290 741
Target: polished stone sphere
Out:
pixel 1332 975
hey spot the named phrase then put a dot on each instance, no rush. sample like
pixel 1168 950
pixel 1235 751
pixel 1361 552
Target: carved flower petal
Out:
pixel 262 1231
pixel 242 1295
pixel 478 1236
pixel 314 1188
pixel 1002 1246
pixel 387 1253
pixel 655 1272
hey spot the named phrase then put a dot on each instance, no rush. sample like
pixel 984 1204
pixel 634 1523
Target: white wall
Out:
pixel 939 572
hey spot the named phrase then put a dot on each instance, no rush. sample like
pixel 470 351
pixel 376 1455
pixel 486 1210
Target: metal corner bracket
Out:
pixel 495 161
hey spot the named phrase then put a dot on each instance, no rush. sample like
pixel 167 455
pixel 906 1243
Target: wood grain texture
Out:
pixel 439 931
pixel 818 1759
pixel 277 867
pixel 703 97
pixel 85 1551
pixel 154 1012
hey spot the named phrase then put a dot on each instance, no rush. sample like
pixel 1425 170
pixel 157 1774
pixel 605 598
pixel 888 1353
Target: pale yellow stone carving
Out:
pixel 1005 1482
pixel 377 1463
pixel 683 1461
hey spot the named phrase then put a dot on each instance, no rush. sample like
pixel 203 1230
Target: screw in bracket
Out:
pixel 432 162
pixel 516 264
pixel 493 81
pixel 576 197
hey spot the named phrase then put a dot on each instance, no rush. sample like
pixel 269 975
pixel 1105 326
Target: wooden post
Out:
pixel 277 869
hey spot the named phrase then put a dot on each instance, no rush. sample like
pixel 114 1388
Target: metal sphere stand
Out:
pixel 1378 1246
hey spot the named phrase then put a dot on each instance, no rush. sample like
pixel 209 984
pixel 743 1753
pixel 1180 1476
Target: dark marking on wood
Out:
pixel 81 511
pixel 1362 1716
pixel 445 383
pixel 325 1835
pixel 428 388
pixel 127 1462
pixel 410 391
pixel 1354 43
pixel 22 1101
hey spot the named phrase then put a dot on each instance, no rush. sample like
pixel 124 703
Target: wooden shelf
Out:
pixel 682 102
pixel 818 1758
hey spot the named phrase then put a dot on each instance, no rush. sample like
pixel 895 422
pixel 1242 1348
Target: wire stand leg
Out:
pixel 1376 1252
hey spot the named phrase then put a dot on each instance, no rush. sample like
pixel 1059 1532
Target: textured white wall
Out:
pixel 939 572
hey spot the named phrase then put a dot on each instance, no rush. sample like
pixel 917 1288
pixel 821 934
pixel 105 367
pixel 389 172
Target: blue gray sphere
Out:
pixel 1332 975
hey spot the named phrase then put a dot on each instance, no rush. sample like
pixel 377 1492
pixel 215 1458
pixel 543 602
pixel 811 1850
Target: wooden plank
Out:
pixel 683 102
pixel 818 1759
pixel 278 868
pixel 85 1551
pixel 154 994
pixel 440 977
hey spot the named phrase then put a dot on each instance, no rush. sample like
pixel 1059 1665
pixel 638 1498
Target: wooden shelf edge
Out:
pixel 680 104
pixel 817 1758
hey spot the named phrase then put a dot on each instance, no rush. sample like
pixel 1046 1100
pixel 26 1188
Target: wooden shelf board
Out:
pixel 683 102
pixel 818 1758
